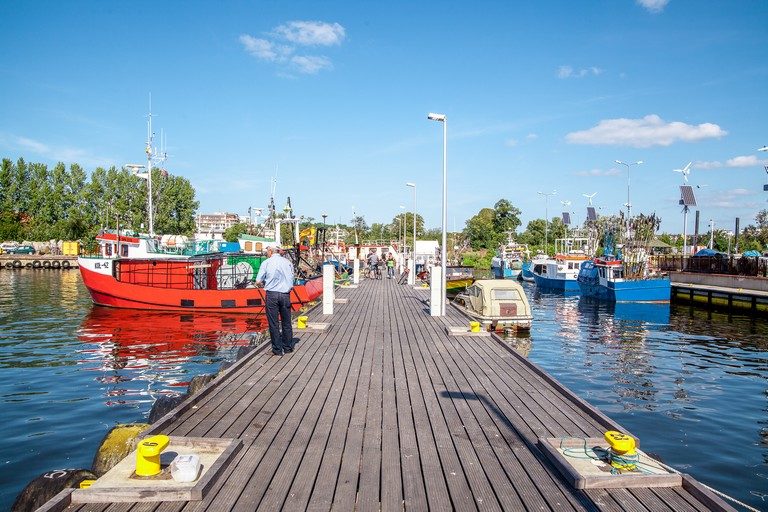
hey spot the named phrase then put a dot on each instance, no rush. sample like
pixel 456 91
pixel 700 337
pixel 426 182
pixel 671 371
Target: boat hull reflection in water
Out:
pixel 144 354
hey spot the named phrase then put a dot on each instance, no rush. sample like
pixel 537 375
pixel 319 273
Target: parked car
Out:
pixel 20 249
pixel 5 246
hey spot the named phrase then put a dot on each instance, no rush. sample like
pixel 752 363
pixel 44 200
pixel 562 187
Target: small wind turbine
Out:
pixel 565 203
pixel 590 196
pixel 685 171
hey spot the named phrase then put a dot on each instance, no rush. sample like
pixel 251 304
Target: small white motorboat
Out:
pixel 497 304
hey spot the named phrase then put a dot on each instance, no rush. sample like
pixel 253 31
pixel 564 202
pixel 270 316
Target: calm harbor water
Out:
pixel 693 387
pixel 70 371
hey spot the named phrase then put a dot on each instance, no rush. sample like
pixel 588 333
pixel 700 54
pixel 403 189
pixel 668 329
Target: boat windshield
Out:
pixel 498 294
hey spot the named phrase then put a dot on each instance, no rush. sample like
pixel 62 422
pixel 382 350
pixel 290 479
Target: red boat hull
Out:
pixel 105 290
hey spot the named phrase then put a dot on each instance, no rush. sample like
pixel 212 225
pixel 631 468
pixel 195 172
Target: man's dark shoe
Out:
pixel 276 353
pixel 288 350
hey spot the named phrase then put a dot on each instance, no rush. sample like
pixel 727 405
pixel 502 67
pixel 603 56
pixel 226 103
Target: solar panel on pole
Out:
pixel 686 196
pixel 566 218
pixel 591 215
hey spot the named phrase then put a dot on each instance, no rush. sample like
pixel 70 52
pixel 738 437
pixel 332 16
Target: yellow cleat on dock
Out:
pixel 148 455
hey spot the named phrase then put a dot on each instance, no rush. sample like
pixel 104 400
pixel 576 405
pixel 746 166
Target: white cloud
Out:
pixel 66 154
pixel 296 33
pixel 653 5
pixel 734 198
pixel 735 162
pixel 511 143
pixel 309 64
pixel 32 145
pixel 569 72
pixel 311 33
pixel 743 161
pixel 649 131
pixel 265 50
pixel 707 165
pixel 599 172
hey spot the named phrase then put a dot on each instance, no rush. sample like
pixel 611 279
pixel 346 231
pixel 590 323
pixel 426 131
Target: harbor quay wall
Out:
pixel 37 261
pixel 736 283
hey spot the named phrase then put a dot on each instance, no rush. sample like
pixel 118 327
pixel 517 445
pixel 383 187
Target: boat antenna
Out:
pixel 153 155
pixel 149 150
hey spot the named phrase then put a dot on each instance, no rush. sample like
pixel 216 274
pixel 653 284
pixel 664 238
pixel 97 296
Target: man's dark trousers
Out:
pixel 279 303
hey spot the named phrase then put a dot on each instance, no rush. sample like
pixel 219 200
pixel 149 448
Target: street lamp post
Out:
pixel 413 247
pixel 629 203
pixel 441 118
pixel 412 278
pixel 401 233
pixel 546 217
pixel 711 233
pixel 325 232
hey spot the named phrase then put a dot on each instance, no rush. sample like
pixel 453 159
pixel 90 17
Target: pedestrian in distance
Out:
pixel 390 267
pixel 373 263
pixel 276 276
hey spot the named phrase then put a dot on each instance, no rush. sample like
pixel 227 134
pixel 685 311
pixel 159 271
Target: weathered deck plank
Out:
pixel 384 411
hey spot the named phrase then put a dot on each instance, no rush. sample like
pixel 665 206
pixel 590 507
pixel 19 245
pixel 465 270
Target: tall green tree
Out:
pixel 480 230
pixel 176 206
pixel 233 232
pixel 506 217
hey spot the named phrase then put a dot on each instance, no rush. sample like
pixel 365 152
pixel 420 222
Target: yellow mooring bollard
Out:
pixel 301 322
pixel 474 326
pixel 148 455
pixel 622 452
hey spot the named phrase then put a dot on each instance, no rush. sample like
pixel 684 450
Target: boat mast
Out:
pixel 149 150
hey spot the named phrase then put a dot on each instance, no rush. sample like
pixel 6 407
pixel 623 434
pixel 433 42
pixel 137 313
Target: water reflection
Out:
pixel 138 355
pixel 682 379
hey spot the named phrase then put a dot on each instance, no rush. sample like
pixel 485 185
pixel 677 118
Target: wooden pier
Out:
pixel 385 411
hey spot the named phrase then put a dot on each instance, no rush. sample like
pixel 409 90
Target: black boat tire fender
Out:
pixel 16 264
pixel 66 265
pixel 56 264
pixel 37 264
pixel 46 264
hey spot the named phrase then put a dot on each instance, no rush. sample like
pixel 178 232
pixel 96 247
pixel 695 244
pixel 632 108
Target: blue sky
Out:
pixel 333 98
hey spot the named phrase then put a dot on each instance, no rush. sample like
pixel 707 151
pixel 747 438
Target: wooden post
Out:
pixel 435 290
pixel 356 271
pixel 328 291
pixel 411 272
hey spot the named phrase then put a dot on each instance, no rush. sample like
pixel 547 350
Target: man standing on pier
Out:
pixel 276 276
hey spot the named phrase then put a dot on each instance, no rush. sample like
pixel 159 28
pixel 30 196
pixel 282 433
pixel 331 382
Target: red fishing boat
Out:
pixel 131 272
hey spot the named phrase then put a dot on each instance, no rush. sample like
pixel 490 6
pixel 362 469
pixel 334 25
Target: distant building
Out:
pixel 213 225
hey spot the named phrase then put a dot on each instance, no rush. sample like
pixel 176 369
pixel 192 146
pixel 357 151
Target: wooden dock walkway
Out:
pixel 385 411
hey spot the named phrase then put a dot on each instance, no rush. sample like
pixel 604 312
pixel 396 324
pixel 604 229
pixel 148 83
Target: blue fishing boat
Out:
pixel 560 273
pixel 623 279
pixel 603 278
pixel 509 260
pixel 526 273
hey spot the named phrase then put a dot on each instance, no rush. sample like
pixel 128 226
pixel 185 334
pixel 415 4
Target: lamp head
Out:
pixel 409 184
pixel 436 117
